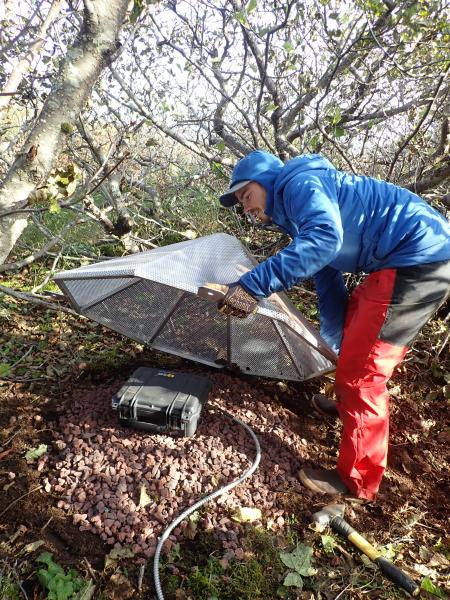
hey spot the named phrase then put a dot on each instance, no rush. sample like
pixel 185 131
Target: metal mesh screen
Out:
pixel 137 311
pixel 87 291
pixel 309 359
pixel 152 297
pixel 195 330
pixel 257 348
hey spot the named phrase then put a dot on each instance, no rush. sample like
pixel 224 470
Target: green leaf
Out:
pixel 338 132
pixel 314 141
pixel 288 46
pixel 45 557
pixel 33 454
pixel 299 559
pixel 87 592
pixel 116 554
pixel 67 128
pixel 241 18
pixel 195 517
pixel 217 169
pixel 55 570
pixel 293 579
pixel 138 5
pixel 251 6
pixel 64 589
pixel 54 206
pixel 5 368
pixel 328 543
pixel 44 578
pixel 429 586
pixel 337 116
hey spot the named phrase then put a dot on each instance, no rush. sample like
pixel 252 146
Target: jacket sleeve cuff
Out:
pixel 248 289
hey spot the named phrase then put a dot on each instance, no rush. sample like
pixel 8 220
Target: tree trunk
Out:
pixel 91 52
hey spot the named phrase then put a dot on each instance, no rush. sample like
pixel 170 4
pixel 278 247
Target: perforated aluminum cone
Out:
pixel 151 297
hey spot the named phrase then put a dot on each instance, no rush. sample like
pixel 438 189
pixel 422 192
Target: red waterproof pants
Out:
pixel 384 314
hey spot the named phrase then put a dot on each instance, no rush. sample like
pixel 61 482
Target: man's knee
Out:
pixel 363 396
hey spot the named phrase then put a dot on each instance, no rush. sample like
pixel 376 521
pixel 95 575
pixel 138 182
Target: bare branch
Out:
pixel 36 299
pixel 419 123
pixel 20 264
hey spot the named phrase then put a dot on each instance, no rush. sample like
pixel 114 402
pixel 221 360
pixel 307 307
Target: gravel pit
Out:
pixel 97 468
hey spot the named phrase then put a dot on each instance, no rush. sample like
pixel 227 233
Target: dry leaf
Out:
pixel 190 530
pixel 120 588
pixel 34 546
pixel 21 531
pixel 116 554
pixel 329 390
pixel 245 514
pixel 144 498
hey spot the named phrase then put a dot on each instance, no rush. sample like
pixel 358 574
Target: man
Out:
pixel 344 223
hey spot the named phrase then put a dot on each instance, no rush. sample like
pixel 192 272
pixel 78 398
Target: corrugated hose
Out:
pixel 203 501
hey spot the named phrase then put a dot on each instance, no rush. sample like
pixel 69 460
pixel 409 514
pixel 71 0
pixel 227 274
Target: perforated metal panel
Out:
pixel 88 291
pixel 197 329
pixel 152 297
pixel 257 348
pixel 137 311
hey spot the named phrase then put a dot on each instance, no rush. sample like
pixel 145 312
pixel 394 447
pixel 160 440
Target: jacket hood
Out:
pixel 300 164
pixel 295 166
pixel 258 166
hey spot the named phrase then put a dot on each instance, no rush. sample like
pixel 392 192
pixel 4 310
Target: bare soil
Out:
pixel 37 503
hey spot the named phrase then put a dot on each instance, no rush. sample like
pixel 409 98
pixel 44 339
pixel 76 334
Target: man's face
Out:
pixel 252 197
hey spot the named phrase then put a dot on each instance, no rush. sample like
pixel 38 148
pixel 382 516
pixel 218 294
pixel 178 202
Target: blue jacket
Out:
pixel 338 223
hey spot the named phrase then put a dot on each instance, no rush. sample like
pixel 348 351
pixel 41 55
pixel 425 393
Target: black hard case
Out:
pixel 162 401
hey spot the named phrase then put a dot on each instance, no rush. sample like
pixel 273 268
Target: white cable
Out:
pixel 202 501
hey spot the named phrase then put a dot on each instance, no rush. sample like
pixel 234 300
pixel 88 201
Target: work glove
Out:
pixel 237 302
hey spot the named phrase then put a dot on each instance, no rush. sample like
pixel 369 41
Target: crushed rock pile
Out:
pixel 98 467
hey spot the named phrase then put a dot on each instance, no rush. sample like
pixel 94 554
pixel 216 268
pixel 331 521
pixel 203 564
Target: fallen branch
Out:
pixel 27 297
pixel 141 577
pixel 6 453
pixel 33 257
pixel 12 437
pixel 49 275
pixel 38 487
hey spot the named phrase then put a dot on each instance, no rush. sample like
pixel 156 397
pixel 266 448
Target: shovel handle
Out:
pixel 212 291
pixel 391 571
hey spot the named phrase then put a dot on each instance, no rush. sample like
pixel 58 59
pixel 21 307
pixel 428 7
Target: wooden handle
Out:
pixel 389 569
pixel 212 291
